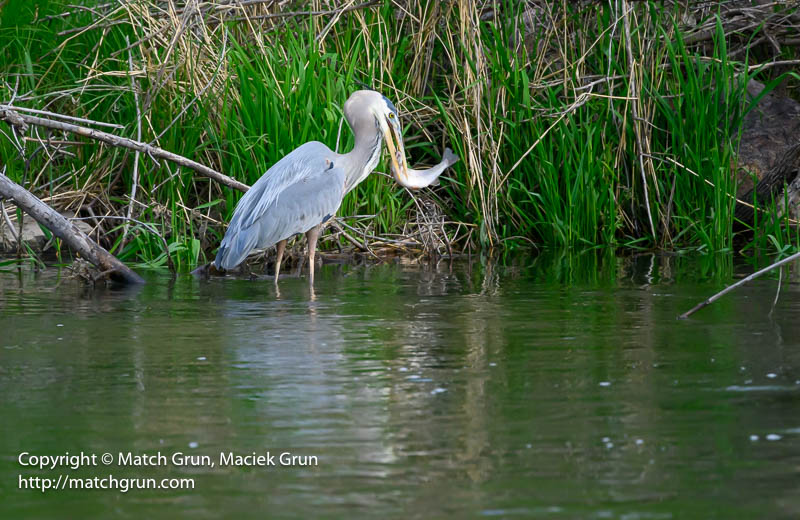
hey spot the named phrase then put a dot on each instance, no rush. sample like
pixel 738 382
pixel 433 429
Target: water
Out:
pixel 557 387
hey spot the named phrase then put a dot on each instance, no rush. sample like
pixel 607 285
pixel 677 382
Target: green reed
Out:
pixel 559 97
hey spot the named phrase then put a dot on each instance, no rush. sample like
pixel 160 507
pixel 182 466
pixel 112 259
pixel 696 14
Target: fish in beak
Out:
pixel 393 135
pixel 404 175
pixel 416 179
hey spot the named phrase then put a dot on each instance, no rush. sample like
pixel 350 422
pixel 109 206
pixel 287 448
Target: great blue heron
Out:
pixel 300 192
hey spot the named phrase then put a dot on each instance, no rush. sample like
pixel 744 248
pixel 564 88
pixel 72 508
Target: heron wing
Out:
pixel 300 191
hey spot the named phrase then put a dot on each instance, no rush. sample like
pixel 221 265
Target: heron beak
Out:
pixel 397 153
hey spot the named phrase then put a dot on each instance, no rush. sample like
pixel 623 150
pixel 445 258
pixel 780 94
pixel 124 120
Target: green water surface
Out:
pixel 554 387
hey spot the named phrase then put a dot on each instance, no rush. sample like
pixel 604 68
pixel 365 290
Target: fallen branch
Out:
pixel 737 284
pixel 14 118
pixel 68 232
pixel 60 116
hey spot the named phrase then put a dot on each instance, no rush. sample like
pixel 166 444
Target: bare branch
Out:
pixel 738 284
pixel 8 115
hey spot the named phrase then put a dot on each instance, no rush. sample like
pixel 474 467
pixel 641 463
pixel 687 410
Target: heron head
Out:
pixel 386 120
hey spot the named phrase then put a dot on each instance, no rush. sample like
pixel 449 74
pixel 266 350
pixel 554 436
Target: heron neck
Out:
pixel 364 156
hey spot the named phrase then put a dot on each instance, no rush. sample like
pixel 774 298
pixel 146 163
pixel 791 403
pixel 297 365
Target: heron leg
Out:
pixel 312 235
pixel 281 247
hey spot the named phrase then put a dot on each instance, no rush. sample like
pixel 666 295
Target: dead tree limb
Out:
pixel 738 284
pixel 68 232
pixel 14 118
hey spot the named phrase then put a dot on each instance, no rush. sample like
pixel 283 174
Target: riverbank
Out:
pixel 583 124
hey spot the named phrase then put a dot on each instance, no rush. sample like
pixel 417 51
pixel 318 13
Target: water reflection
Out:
pixel 555 386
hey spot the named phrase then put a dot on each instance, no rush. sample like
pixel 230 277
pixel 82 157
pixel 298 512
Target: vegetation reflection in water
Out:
pixel 561 386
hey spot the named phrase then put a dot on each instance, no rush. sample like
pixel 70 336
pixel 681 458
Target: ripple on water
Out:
pixel 518 398
pixel 762 388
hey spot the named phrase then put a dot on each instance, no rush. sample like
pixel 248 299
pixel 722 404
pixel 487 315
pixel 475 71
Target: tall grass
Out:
pixel 573 131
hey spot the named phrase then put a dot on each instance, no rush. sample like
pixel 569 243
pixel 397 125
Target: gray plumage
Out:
pixel 298 192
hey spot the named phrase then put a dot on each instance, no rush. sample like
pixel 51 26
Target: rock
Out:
pixel 769 130
pixel 32 233
pixel 768 151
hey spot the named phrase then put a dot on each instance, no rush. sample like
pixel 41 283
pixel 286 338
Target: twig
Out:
pixel 333 21
pixel 288 14
pixel 202 91
pixel 763 66
pixel 7 219
pixel 15 119
pixel 136 154
pixel 56 143
pixel 737 284
pixel 373 237
pixel 159 81
pixel 730 196
pixel 580 101
pixel 145 39
pixel 777 292
pixel 65 14
pixel 93 25
pixel 60 116
pixel 363 247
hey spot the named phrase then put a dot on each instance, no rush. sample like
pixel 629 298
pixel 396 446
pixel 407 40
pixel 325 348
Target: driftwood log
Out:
pixel 68 232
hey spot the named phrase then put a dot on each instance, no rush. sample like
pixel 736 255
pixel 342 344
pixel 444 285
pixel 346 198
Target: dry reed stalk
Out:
pixel 635 93
pixel 135 181
pixel 182 44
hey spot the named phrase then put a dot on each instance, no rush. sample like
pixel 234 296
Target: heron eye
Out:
pixel 391 115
